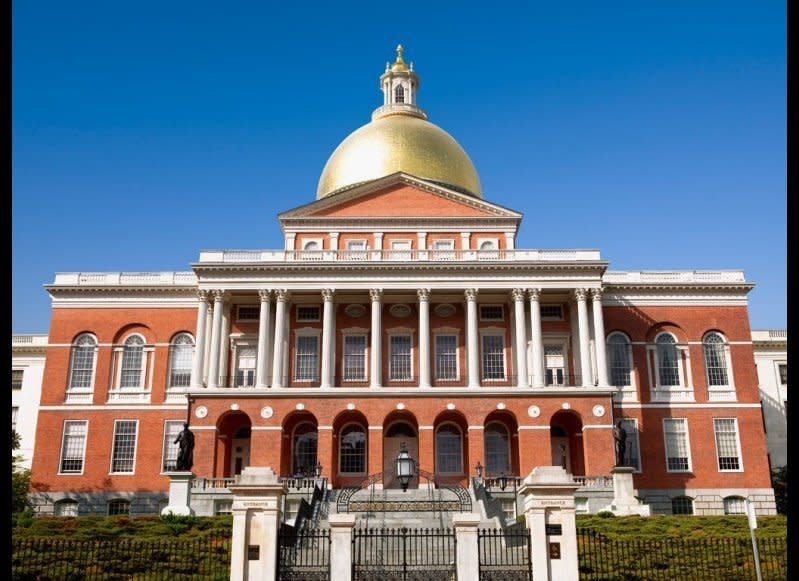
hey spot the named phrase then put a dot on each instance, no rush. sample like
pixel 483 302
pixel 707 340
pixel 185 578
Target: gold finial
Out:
pixel 399 53
pixel 399 64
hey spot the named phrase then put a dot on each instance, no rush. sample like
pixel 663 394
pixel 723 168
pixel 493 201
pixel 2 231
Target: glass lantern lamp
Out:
pixel 404 467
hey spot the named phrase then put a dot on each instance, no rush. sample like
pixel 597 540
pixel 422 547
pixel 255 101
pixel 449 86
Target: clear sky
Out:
pixel 145 131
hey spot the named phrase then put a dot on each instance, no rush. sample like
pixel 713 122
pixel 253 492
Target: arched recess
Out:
pixel 449 427
pixel 566 438
pixel 298 448
pixel 350 454
pixel 498 425
pixel 233 431
pixel 399 426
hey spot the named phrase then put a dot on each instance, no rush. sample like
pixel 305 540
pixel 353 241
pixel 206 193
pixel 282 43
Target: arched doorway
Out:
pixel 298 455
pixel 566 437
pixel 501 444
pixel 399 429
pixel 233 443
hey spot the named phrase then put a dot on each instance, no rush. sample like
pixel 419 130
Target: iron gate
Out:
pixel 303 555
pixel 505 554
pixel 403 554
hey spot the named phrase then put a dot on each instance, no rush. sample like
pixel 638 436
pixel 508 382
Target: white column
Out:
pixel 424 336
pixel 537 341
pixel 216 336
pixel 599 337
pixel 341 526
pixel 263 341
pixel 224 346
pixel 327 337
pixel 199 340
pixel 282 297
pixel 467 559
pixel 521 337
pixel 378 251
pixel 421 243
pixel 472 357
pixel 582 329
pixel 209 319
pixel 376 359
pixel 509 241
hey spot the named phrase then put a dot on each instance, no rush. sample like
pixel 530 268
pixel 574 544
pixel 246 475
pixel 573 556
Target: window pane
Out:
pixel 181 354
pixel 715 360
pixel 497 449
pixel 619 360
pixel 783 374
pixel 249 312
pixel 354 357
pixel 727 443
pixel 16 378
pixel 170 455
pixel 493 357
pixel 118 507
pixel 307 358
pixel 446 357
pixel 305 441
pixel 676 444
pixel 554 363
pixel 734 505
pixel 668 361
pixel 633 456
pixel 122 455
pixel 82 363
pixel 352 450
pixel 307 313
pixel 73 446
pixel 132 356
pixel 682 505
pixel 400 360
pixel 491 312
pixel 66 508
pixel 245 366
pixel 449 455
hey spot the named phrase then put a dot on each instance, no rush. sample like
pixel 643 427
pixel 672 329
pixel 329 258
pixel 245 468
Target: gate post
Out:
pixel 548 494
pixel 257 496
pixel 341 526
pixel 467 556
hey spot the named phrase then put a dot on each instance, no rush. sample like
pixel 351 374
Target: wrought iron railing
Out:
pixel 403 554
pixel 505 555
pixel 303 554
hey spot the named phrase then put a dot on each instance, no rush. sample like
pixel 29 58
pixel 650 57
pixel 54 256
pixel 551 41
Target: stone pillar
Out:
pixel 327 338
pixel 282 297
pixel 199 340
pixel 216 337
pixel 467 559
pixel 209 318
pixel 599 337
pixel 424 336
pixel 341 526
pixel 376 352
pixel 472 352
pixel 582 329
pixel 224 347
pixel 537 340
pixel 257 501
pixel 263 333
pixel 179 493
pixel 548 495
pixel 521 337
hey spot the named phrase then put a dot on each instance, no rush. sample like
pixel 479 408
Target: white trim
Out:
pixel 722 392
pixel 446 332
pixel 687 446
pixel 82 390
pixel 113 447
pixel 401 332
pixel 492 332
pixel 109 406
pixel 737 444
pixel 319 241
pixel 534 427
pixel 307 332
pixel 85 445
pixel 685 405
pixel 354 332
pixel 588 426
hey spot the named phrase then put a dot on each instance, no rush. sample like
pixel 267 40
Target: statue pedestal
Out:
pixel 179 493
pixel 624 501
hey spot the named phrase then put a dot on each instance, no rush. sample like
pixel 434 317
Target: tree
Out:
pixel 20 478
pixel 779 481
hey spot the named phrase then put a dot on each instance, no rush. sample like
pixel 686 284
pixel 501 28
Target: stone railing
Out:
pixel 769 335
pixel 141 396
pixel 125 279
pixel 594 481
pixel 28 340
pixel 673 276
pixel 216 484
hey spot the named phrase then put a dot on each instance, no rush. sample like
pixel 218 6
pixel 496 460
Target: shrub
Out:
pixel 605 514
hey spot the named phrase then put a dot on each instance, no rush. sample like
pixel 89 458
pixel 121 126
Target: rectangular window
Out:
pixel 554 364
pixel 493 357
pixel 675 431
pixel 446 357
pixel 245 366
pixel 632 454
pixel 356 249
pixel 123 453
pixel 551 312
pixel 248 313
pixel 354 357
pixel 783 373
pixel 16 378
pixel 400 358
pixel 73 447
pixel 444 249
pixel 14 411
pixel 223 507
pixel 727 444
pixel 401 249
pixel 132 358
pixel 491 313
pixel 170 450
pixel 307 360
pixel 307 313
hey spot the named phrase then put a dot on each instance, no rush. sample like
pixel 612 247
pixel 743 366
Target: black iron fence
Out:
pixel 77 560
pixel 673 559
pixel 504 554
pixel 303 554
pixel 403 554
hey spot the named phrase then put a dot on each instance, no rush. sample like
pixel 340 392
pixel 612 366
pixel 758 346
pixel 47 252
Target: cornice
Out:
pixel 299 393
pixel 395 266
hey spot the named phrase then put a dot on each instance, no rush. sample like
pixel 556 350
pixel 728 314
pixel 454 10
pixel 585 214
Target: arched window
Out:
pixel 682 505
pixel 132 362
pixel 82 364
pixel 304 450
pixel 118 506
pixel 619 359
pixel 66 507
pixel 449 450
pixel 668 359
pixel 487 245
pixel 181 353
pixel 497 449
pixel 352 450
pixel 715 359
pixel 399 94
pixel 311 245
pixel 734 505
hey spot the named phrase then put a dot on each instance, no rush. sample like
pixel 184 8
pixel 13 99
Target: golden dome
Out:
pixel 399 142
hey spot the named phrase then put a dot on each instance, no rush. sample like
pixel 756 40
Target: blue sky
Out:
pixel 143 132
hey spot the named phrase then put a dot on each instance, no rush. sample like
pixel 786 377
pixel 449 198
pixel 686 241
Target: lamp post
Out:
pixel 479 469
pixel 503 481
pixel 404 467
pixel 318 470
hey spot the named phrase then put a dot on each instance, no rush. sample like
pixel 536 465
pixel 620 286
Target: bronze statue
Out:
pixel 185 440
pixel 620 438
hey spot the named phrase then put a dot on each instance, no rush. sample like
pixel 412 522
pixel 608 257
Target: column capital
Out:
pixel 282 295
pixel 219 295
pixel 471 294
pixel 517 294
pixel 265 295
pixel 375 294
pixel 596 294
pixel 423 294
pixel 327 294
pixel 534 293
pixel 580 294
pixel 202 295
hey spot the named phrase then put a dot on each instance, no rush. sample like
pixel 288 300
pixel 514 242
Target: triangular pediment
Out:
pixel 400 196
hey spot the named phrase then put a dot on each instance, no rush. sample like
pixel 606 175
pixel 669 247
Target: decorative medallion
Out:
pixel 400 406
pixel 500 406
pixel 201 411
pixel 599 410
pixel 267 412
pixel 300 406
pixel 450 406
pixel 534 411
pixel 566 405
pixel 444 310
pixel 234 407
pixel 355 311
pixel 399 311
pixel 350 406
